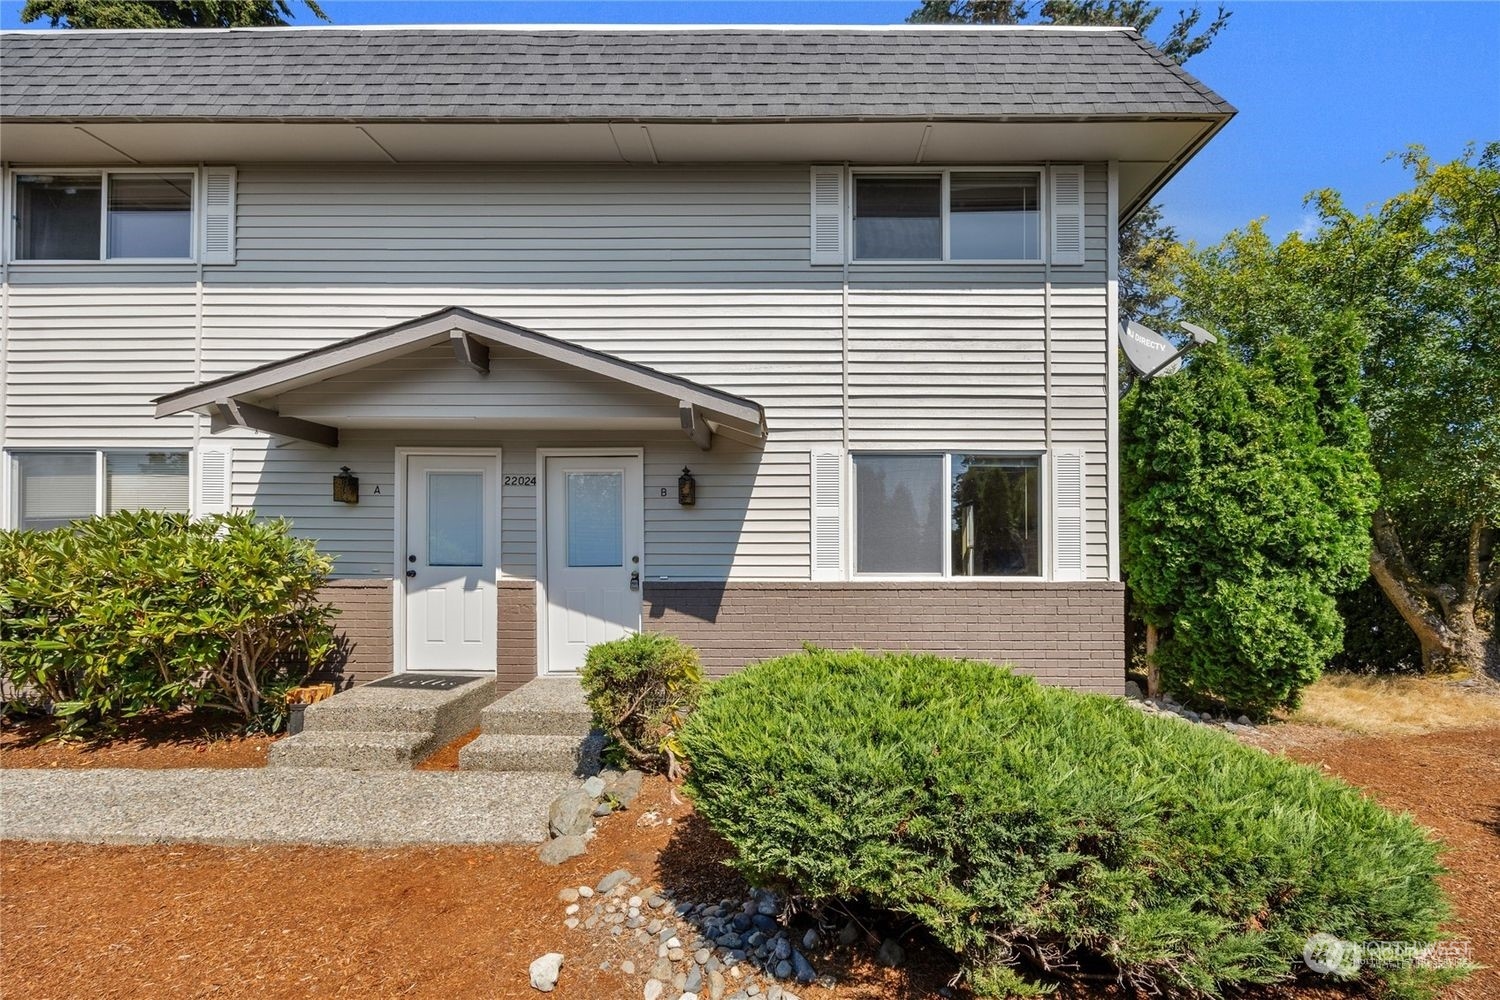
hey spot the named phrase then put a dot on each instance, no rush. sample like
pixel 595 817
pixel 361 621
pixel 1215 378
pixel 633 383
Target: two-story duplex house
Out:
pixel 756 335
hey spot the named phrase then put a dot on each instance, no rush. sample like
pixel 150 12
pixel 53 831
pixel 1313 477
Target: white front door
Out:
pixel 452 550
pixel 594 550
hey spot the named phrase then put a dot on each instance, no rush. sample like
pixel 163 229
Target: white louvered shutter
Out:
pixel 217 228
pixel 1067 515
pixel 827 515
pixel 827 215
pixel 1067 215
pixel 215 469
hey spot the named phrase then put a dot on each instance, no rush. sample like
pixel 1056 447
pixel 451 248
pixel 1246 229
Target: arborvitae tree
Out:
pixel 1246 513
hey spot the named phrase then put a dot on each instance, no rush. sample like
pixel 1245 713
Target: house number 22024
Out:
pixel 519 480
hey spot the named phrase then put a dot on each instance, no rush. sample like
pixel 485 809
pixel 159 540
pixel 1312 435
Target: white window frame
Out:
pixel 945 209
pixel 13 194
pixel 1044 501
pixel 101 484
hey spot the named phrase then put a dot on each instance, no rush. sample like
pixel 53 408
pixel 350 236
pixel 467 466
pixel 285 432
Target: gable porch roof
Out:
pixel 240 399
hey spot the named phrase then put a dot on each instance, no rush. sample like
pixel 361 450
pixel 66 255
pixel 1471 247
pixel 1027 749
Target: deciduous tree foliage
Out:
pixel 1147 232
pixel 165 13
pixel 1248 495
pixel 1420 279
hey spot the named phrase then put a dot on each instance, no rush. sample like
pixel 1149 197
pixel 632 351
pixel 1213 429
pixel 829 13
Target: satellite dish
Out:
pixel 1148 352
pixel 1151 354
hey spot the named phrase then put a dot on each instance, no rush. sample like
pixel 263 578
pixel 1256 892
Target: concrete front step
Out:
pixel 547 706
pixel 571 754
pixel 383 728
pixel 374 709
pixel 355 751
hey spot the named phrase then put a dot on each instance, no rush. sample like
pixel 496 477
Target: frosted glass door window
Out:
pixel 455 519
pixel 595 522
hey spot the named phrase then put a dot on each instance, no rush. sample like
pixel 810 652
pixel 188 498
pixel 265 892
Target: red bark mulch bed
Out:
pixel 153 741
pixel 86 921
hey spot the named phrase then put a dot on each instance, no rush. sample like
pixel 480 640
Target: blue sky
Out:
pixel 1325 90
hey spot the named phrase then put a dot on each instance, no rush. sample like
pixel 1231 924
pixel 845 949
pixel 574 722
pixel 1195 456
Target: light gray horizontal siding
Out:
pixel 701 272
pixel 751 519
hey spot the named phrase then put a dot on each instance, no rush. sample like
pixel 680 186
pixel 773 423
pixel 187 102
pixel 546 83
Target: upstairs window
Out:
pixel 110 215
pixel 948 215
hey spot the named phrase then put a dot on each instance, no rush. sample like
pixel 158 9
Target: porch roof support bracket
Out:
pixel 695 425
pixel 470 351
pixel 236 413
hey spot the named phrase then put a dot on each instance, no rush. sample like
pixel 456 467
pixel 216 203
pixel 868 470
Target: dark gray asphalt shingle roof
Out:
pixel 571 74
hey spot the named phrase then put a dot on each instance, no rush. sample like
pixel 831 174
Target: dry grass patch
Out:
pixel 1396 706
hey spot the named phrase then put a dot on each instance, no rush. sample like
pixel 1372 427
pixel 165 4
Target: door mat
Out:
pixel 424 682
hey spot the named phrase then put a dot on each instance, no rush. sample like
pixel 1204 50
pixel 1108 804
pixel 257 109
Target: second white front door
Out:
pixel 594 549
pixel 452 549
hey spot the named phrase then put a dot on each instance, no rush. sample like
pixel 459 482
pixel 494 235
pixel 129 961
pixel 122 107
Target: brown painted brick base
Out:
pixel 516 639
pixel 1063 633
pixel 363 626
pixel 366 651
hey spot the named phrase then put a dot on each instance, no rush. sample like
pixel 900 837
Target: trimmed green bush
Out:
pixel 640 688
pixel 142 610
pixel 1039 832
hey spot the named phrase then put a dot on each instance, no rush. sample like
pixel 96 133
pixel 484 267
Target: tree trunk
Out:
pixel 1153 674
pixel 1453 625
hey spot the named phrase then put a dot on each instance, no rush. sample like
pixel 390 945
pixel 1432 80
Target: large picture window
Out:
pixel 987 525
pixel 55 488
pixel 109 215
pixel 948 215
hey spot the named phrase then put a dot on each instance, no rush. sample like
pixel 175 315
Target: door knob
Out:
pixel 411 572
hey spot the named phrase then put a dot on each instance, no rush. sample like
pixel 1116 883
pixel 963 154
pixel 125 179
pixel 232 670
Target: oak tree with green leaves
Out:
pixel 165 13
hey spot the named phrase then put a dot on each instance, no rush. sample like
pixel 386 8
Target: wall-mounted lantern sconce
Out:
pixel 687 488
pixel 346 487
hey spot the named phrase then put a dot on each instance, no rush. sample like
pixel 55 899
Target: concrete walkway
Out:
pixel 276 805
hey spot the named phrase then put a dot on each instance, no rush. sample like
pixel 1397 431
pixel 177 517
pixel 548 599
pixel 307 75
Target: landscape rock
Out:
pixel 615 878
pixel 545 970
pixel 1133 690
pixel 653 989
pixel 570 814
pixel 569 895
pixel 627 788
pixel 555 852
pixel 802 969
pixel 891 953
pixel 849 934
pixel 594 787
pixel 603 809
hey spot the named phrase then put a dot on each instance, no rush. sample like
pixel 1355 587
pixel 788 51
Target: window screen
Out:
pixel 57 217
pixel 899 510
pixel 898 218
pixel 996 528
